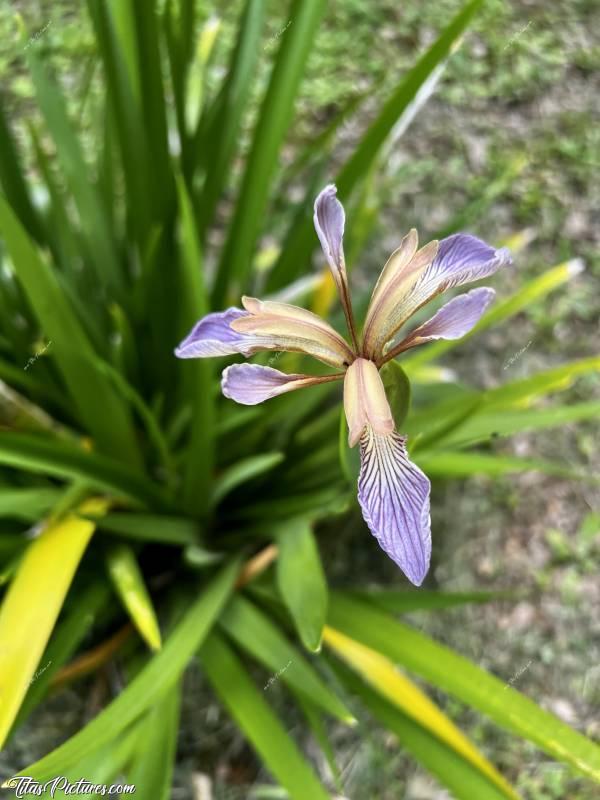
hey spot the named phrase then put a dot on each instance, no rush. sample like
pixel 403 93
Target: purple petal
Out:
pixel 462 258
pixel 394 496
pixel 453 320
pixel 213 336
pixel 329 219
pixel 250 384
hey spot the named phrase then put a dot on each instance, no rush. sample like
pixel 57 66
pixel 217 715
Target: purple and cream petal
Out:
pixel 393 494
pixel 459 259
pixel 329 219
pixel 251 384
pixel 213 336
pixel 365 402
pixel 453 320
pixel 279 326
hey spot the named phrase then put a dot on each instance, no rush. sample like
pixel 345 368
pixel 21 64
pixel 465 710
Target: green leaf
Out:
pixel 127 578
pixel 405 600
pixel 452 464
pixel 301 582
pixel 253 715
pixel 197 373
pixel 27 504
pixel 456 675
pixel 100 408
pixel 485 426
pixel 92 213
pixel 255 632
pixel 151 769
pixel 226 125
pixel 151 528
pixel 274 119
pixel 243 471
pixel 397 389
pixel 161 672
pixel 48 457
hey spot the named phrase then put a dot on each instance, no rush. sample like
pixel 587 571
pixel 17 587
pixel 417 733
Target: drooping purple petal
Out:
pixel 453 320
pixel 251 384
pixel 394 497
pixel 329 219
pixel 213 336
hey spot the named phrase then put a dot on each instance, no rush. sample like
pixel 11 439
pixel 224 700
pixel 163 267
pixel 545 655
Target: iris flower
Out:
pixel 393 493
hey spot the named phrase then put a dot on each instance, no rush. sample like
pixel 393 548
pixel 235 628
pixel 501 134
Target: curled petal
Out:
pixel 213 336
pixel 329 219
pixel 251 384
pixel 394 497
pixel 365 402
pixel 278 326
pixel 452 321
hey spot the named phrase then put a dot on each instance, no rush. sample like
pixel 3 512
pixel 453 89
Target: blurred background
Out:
pixel 506 146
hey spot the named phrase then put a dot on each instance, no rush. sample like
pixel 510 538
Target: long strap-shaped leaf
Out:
pixel 100 408
pixel 381 673
pixel 274 120
pixel 149 684
pixel 357 167
pixel 253 715
pixel 33 602
pixel 458 676
pixel 256 633
pixel 49 457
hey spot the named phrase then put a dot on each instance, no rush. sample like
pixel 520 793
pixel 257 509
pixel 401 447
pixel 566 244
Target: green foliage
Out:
pixel 151 219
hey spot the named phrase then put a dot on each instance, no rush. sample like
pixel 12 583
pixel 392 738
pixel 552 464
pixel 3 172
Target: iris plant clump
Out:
pixel 392 491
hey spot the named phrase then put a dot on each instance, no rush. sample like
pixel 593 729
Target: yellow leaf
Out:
pixel 385 678
pixel 33 603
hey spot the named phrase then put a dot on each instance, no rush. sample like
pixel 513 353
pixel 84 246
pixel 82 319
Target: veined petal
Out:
pixel 461 258
pixel 251 384
pixel 213 336
pixel 365 402
pixel 452 321
pixel 394 497
pixel 383 314
pixel 278 326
